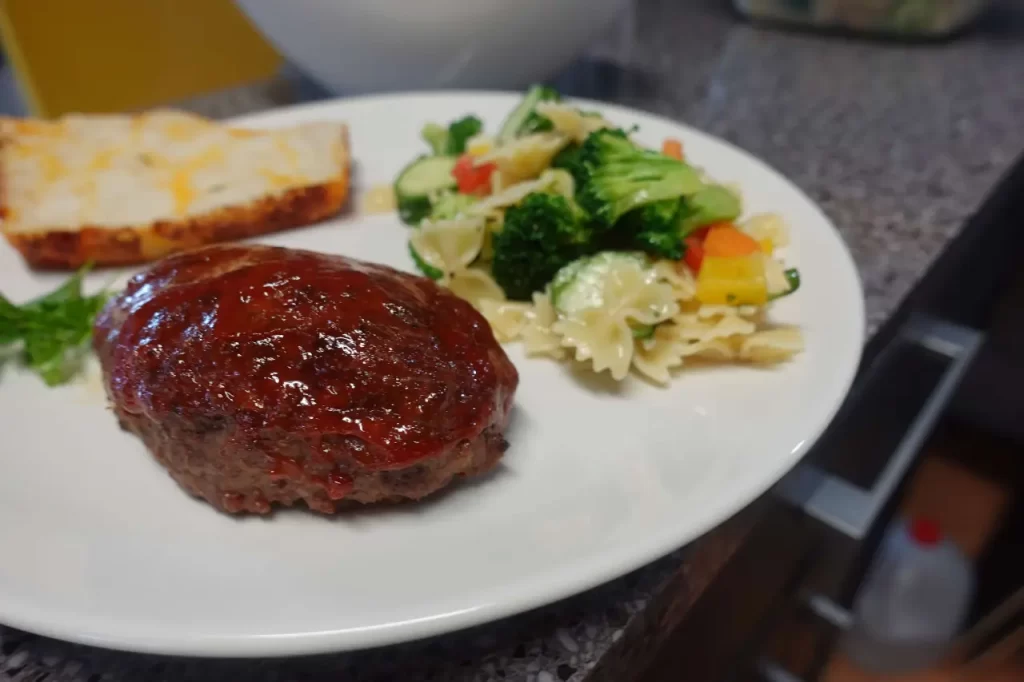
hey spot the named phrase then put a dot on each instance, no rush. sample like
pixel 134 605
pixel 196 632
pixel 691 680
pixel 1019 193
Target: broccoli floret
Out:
pixel 523 119
pixel 436 136
pixel 713 204
pixel 659 228
pixel 535 123
pixel 460 131
pixel 654 228
pixel 540 235
pixel 450 205
pixel 569 160
pixel 452 140
pixel 616 177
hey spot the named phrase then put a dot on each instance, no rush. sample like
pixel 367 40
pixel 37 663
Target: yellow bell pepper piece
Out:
pixel 767 245
pixel 738 280
pixel 479 145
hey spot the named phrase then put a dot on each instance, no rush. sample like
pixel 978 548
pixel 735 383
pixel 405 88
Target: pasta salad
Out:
pixel 575 240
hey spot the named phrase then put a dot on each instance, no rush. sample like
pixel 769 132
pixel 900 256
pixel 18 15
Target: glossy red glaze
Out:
pixel 278 340
pixel 338 485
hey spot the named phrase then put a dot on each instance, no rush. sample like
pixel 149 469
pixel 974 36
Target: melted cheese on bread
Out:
pixel 157 176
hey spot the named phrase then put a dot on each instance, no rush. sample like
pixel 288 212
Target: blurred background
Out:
pixel 113 55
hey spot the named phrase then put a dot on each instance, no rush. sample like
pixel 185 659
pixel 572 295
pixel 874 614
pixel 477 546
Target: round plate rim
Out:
pixel 559 585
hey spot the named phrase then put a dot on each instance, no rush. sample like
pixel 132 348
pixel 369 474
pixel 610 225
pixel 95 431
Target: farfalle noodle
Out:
pixel 771 346
pixel 767 226
pixel 624 311
pixel 691 327
pixel 656 357
pixel 570 122
pixel 449 245
pixel 538 337
pixel 631 295
pixel 506 318
pixel 679 277
pixel 606 342
pixel 525 158
pixel 552 180
pixel 474 285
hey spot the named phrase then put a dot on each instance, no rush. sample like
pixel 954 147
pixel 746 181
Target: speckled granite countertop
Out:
pixel 899 144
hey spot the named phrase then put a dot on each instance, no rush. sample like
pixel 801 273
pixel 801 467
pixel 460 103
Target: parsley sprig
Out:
pixel 52 331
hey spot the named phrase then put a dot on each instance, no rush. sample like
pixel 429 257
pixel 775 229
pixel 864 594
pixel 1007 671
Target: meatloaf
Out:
pixel 261 376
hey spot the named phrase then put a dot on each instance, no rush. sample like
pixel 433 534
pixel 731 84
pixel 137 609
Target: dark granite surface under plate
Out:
pixel 898 143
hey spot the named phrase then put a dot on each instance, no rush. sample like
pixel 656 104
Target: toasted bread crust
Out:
pixel 63 247
pixel 70 249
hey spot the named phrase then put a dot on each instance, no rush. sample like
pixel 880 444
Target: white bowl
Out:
pixel 373 45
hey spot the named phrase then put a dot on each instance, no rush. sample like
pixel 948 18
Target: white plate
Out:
pixel 98 545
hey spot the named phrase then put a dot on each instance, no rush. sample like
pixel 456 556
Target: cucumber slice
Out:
pixel 417 181
pixel 423 266
pixel 517 119
pixel 792 276
pixel 577 286
pixel 449 205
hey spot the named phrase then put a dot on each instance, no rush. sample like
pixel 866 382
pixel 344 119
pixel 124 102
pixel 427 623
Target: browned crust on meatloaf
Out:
pixel 69 249
pixel 183 448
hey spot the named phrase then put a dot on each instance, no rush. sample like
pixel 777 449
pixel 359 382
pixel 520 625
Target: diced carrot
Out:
pixel 673 148
pixel 725 241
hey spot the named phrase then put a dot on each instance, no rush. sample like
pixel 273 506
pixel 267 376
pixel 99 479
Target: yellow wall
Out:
pixel 112 55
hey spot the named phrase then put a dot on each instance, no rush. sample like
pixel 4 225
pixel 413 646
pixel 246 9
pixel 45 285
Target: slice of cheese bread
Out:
pixel 117 190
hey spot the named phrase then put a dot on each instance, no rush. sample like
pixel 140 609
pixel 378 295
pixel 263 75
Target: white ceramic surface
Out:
pixel 374 45
pixel 98 545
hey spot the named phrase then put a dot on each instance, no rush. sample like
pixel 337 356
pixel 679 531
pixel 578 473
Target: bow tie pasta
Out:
pixel 573 239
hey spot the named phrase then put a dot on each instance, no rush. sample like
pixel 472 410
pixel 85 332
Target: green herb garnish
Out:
pixel 792 279
pixel 451 141
pixel 53 331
